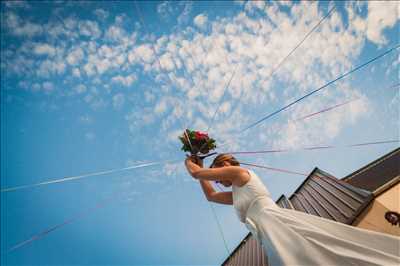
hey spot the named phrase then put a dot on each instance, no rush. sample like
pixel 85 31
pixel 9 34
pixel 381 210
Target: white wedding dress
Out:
pixel 292 237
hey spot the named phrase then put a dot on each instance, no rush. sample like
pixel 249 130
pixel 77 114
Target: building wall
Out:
pixel 373 217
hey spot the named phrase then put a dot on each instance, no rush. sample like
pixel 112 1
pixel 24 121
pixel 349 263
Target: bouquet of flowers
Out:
pixel 197 142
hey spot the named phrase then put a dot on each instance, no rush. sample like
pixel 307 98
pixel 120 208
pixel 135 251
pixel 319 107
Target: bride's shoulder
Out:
pixel 246 170
pixel 245 177
pixel 252 174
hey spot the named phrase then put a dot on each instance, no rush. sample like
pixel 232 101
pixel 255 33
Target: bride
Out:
pixel 291 237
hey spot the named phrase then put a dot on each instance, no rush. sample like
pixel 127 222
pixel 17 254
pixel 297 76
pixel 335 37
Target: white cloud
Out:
pixel 106 51
pixel 394 66
pixel 36 87
pixel 253 46
pixel 200 21
pixel 88 98
pixel 17 4
pixel 316 129
pixel 98 103
pixel 101 13
pixel 75 56
pixel 76 72
pixel 118 100
pixel 161 106
pixel 126 81
pixel 49 67
pixel 97 64
pixel 196 65
pixel 251 6
pixel 165 9
pixel 89 29
pixel 70 23
pixel 21 28
pixel 167 62
pixel 44 49
pixel 115 33
pixel 89 69
pixel 60 66
pixel 381 15
pixel 143 52
pixel 90 136
pixel 92 47
pixel 80 89
pixel 225 107
pixel 139 118
pixel 119 19
pixel 149 97
pixel 120 59
pixel 48 86
pixel 86 119
pixel 23 84
pixel 184 16
pixel 103 65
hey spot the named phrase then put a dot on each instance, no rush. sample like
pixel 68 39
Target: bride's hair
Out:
pixel 222 158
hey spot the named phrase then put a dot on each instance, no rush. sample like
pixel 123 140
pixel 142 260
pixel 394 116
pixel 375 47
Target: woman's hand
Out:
pixel 198 161
pixel 193 163
pixel 194 159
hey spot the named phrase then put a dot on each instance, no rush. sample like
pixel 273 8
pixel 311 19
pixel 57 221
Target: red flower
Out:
pixel 200 135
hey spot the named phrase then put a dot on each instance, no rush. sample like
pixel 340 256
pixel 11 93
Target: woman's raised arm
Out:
pixel 208 189
pixel 212 195
pixel 230 173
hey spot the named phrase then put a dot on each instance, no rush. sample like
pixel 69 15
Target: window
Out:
pixel 393 218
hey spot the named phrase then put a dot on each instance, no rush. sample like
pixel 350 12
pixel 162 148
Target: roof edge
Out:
pixel 283 196
pixel 315 170
pixel 386 186
pixel 237 247
pixel 371 164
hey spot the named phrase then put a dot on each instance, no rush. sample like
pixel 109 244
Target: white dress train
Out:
pixel 292 237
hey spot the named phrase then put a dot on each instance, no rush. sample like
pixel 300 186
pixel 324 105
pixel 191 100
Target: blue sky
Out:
pixel 85 87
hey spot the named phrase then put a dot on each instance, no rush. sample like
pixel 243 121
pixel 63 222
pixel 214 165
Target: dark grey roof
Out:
pixel 284 202
pixel 323 195
pixel 248 252
pixel 377 173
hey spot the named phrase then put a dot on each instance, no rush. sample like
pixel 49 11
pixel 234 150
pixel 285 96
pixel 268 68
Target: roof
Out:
pixel 377 174
pixel 324 195
pixel 284 202
pixel 248 252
